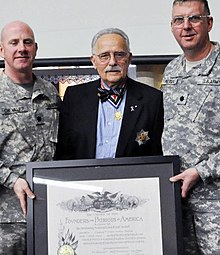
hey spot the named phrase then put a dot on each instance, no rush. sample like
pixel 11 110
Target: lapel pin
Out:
pixel 142 137
pixel 133 107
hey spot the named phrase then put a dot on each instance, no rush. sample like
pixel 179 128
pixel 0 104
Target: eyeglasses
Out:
pixel 193 19
pixel 118 55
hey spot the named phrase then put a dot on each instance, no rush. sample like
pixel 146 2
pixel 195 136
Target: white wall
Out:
pixel 64 28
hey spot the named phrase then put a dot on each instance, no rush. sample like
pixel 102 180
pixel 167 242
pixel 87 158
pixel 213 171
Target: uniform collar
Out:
pixel 202 69
pixel 18 92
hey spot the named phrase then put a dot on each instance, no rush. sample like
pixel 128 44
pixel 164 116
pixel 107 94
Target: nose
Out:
pixel 112 60
pixel 22 46
pixel 186 24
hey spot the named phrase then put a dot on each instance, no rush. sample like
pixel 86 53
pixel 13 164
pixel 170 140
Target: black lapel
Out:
pixel 132 111
pixel 92 115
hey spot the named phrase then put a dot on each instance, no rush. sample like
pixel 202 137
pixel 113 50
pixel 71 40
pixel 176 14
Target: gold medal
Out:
pixel 118 115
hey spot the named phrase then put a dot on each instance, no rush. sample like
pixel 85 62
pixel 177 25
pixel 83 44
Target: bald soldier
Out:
pixel 28 130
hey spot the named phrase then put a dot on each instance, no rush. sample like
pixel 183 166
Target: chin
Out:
pixel 23 69
pixel 114 78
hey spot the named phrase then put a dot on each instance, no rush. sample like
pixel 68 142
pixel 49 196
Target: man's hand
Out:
pixel 189 178
pixel 22 189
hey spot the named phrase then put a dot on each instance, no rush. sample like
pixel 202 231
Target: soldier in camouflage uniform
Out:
pixel 191 88
pixel 28 130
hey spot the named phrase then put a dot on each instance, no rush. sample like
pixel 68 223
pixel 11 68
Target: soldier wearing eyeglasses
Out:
pixel 113 116
pixel 191 86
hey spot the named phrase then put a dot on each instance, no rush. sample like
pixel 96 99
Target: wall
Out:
pixel 65 28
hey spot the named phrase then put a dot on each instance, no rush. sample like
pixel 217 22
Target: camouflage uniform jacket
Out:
pixel 192 124
pixel 28 132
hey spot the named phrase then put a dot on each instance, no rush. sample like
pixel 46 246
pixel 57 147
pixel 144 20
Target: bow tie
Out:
pixel 104 94
pixel 114 95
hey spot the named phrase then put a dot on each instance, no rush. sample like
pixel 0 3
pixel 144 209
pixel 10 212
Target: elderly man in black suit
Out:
pixel 114 116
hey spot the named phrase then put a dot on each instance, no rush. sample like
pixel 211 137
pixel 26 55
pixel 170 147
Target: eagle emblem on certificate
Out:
pixel 142 137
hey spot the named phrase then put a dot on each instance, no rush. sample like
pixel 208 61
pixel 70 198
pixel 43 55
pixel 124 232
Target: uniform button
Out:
pixel 106 141
pixel 39 118
pixel 196 219
pixel 181 98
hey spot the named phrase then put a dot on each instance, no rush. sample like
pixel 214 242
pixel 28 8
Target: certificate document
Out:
pixel 109 217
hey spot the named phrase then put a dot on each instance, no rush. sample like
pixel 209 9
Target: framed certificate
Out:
pixel 105 206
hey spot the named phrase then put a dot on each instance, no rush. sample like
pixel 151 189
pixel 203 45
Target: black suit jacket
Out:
pixel 78 121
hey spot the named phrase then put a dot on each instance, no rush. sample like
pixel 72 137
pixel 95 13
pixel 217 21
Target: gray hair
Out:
pixel 204 2
pixel 110 31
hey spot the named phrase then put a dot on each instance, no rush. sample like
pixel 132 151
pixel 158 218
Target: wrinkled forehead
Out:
pixel 188 5
pixel 188 9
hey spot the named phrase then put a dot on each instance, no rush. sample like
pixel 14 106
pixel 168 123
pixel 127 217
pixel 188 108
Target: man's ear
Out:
pixel 171 26
pixel 2 54
pixel 36 45
pixel 210 23
pixel 130 57
pixel 92 58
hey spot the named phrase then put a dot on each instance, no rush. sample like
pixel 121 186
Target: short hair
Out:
pixel 110 31
pixel 204 2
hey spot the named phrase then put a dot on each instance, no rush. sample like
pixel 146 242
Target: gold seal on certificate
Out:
pixel 66 250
